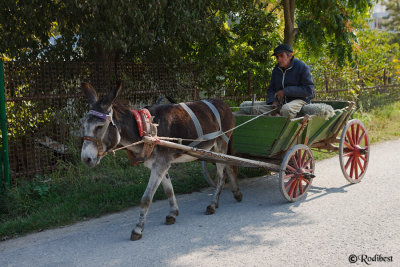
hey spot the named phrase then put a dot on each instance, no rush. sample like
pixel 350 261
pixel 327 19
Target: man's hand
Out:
pixel 275 104
pixel 279 95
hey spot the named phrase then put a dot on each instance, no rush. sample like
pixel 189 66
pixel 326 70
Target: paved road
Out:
pixel 335 221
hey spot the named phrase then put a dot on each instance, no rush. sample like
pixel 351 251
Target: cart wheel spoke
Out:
pixel 356 168
pixel 296 165
pixel 349 138
pixel 361 138
pixel 308 162
pixel 353 134
pixel 357 135
pixel 292 187
pixel 348 146
pixel 348 154
pixel 348 162
pixel 298 160
pixel 354 151
pixel 295 189
pixel 360 165
pixel 290 183
pixel 303 159
pixel 290 168
pixel 301 186
pixel 352 167
pixel 307 181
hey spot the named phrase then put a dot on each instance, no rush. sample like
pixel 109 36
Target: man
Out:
pixel 291 83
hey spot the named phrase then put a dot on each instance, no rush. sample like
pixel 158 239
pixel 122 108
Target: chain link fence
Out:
pixel 366 98
pixel 44 104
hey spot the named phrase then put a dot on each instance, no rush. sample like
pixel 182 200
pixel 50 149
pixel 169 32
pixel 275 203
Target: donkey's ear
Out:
pixel 108 100
pixel 90 93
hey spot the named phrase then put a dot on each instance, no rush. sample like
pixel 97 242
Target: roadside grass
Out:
pixel 74 192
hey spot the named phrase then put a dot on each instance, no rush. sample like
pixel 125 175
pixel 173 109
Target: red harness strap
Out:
pixel 139 122
pixel 145 127
pixel 143 120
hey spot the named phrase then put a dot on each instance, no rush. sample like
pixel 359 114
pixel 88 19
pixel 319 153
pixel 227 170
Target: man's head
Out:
pixel 283 54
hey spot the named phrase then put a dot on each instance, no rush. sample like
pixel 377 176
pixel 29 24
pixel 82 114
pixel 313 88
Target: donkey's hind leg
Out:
pixel 218 189
pixel 232 172
pixel 169 191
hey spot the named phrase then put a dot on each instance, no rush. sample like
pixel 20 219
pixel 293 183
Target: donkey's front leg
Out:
pixel 169 191
pixel 158 171
pixel 218 189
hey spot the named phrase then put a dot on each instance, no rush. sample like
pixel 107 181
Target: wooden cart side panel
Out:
pixel 347 113
pixel 257 137
pixel 321 129
pixel 286 137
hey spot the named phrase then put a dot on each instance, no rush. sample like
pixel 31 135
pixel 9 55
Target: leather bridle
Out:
pixel 99 141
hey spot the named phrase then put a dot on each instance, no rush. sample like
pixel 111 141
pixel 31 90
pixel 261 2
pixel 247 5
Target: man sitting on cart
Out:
pixel 291 83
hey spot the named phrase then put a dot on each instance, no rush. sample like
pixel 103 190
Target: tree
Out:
pixel 324 25
pixel 105 30
pixel 392 22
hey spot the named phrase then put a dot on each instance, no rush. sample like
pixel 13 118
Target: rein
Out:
pixel 144 121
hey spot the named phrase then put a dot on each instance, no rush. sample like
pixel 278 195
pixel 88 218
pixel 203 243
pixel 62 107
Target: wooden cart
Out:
pixel 284 145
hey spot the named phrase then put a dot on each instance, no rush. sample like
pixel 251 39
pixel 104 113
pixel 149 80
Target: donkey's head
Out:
pixel 100 134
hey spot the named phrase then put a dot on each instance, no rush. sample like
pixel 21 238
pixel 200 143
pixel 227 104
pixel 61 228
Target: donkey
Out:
pixel 109 124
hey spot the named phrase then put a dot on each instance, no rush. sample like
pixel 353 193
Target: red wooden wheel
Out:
pixel 297 172
pixel 354 151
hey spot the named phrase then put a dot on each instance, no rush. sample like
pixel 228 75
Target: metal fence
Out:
pixel 44 104
pixel 366 97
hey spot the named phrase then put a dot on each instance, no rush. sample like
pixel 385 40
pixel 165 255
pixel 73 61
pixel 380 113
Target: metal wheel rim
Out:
pixel 354 151
pixel 209 174
pixel 296 166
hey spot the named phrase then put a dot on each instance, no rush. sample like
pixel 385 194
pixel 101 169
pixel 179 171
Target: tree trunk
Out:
pixel 290 31
pixel 104 70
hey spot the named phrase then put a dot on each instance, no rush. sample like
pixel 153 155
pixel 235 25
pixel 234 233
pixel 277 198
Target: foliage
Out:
pixel 331 32
pixel 375 62
pixel 239 52
pixel 230 41
pixel 152 31
pixel 392 22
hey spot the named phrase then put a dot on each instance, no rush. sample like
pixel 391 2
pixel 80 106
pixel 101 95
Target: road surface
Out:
pixel 337 222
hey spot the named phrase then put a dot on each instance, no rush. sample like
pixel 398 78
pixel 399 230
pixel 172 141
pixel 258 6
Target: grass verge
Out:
pixel 75 192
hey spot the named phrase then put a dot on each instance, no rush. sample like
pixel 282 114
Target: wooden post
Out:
pixel 249 91
pixel 196 85
pixel 326 82
pixel 384 77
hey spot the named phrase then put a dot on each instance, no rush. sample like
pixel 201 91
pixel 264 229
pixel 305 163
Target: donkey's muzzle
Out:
pixel 90 162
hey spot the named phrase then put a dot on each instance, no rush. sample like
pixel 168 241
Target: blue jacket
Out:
pixel 296 82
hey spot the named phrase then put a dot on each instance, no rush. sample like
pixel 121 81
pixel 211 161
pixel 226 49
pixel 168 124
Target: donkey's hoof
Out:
pixel 169 220
pixel 210 210
pixel 238 197
pixel 135 236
